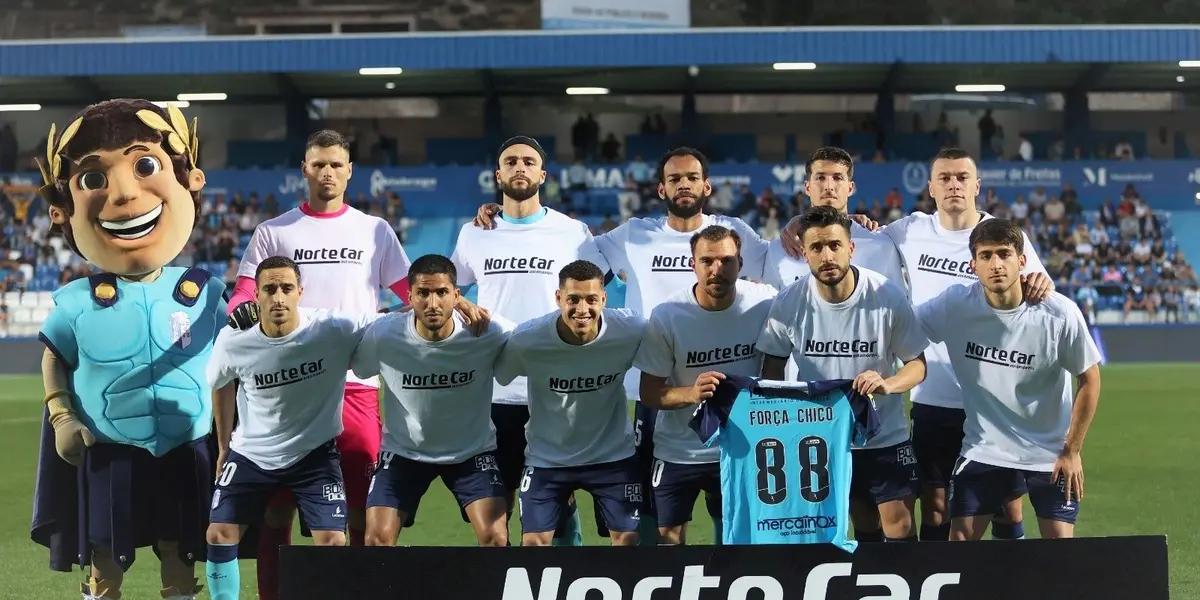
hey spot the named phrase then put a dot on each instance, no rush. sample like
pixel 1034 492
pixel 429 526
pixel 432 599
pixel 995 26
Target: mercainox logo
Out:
pixel 517 585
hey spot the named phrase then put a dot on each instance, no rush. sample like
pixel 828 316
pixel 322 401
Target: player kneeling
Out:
pixel 579 432
pixel 437 409
pixel 290 371
pixel 1024 430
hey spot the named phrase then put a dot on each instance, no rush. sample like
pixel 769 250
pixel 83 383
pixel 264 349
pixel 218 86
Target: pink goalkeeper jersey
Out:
pixel 345 258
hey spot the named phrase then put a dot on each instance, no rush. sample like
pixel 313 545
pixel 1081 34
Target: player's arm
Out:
pixel 1070 461
pixel 906 378
pixel 224 409
pixel 485 217
pixel 655 393
pixel 1036 284
pixel 71 436
pixel 773 367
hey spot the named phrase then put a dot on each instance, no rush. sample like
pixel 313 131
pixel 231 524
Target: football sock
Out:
pixel 269 541
pixel 940 533
pixel 222 573
pixel 1008 531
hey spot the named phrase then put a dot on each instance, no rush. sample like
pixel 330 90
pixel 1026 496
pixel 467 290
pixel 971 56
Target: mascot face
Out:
pixel 125 203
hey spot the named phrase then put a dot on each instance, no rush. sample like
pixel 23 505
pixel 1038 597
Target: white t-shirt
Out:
pixel 438 398
pixel 937 258
pixel 577 410
pixel 1016 368
pixel 345 259
pixel 684 340
pixel 872 250
pixel 289 397
pixel 869 331
pixel 657 262
pixel 516 266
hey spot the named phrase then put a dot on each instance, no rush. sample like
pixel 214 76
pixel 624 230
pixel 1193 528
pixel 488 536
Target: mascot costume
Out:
pixel 124 462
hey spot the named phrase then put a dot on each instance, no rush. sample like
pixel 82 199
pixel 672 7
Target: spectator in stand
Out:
pixel 1081 241
pixel 1054 213
pixel 1171 302
pixel 998 143
pixel 769 229
pixel 1087 297
pixel 577 177
pixel 1020 211
pixel 642 173
pixel 231 272
pixel 987 128
pixel 1127 224
pixel 893 199
pixel 628 199
pixel 1123 150
pixel 610 149
pixel 1025 149
pixel 1057 150
pixel 1037 199
pixel 1108 213
pixel 1191 303
pixel 1137 297
pixel 1098 235
pixel 1111 280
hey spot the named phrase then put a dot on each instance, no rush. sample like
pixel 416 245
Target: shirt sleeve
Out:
pixel 260 248
pixel 656 355
pixel 754 249
pixel 589 251
pixel 613 246
pixel 771 264
pixel 1033 264
pixel 365 360
pixel 393 261
pixel 218 371
pixel 1077 351
pixel 461 260
pixel 929 317
pixel 58 334
pixel 776 336
pixel 907 340
pixel 508 364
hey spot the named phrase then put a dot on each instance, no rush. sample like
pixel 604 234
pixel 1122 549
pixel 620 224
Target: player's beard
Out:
pixel 823 275
pixel 676 209
pixel 519 194
pixel 718 288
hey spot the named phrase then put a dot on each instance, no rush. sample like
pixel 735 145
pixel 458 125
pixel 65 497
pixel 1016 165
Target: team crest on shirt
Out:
pixel 181 329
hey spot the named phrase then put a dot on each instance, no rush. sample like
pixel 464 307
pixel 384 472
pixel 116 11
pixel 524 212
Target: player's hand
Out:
pixel 244 316
pixel 222 457
pixel 790 238
pixel 1069 466
pixel 866 222
pixel 485 217
pixel 1036 286
pixel 399 308
pixel 870 382
pixel 477 317
pixel 706 385
pixel 71 437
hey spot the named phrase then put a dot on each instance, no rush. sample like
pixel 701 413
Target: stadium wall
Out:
pixel 1121 343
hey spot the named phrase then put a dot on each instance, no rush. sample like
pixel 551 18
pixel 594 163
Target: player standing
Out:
pixel 580 436
pixel 1024 430
pixel 437 416
pixel 845 322
pixel 516 266
pixel 693 340
pixel 290 373
pixel 936 251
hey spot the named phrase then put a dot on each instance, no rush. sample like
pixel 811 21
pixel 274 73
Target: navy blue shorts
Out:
pixel 400 482
pixel 510 420
pixel 139 499
pixel 937 435
pixel 676 486
pixel 884 474
pixel 243 489
pixel 616 487
pixel 980 489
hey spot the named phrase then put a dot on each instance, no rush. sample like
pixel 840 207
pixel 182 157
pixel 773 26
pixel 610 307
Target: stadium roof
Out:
pixel 862 59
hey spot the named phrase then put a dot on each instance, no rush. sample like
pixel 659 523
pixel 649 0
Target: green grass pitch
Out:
pixel 1143 477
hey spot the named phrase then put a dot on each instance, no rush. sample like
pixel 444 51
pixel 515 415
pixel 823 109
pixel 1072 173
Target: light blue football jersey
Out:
pixel 785 458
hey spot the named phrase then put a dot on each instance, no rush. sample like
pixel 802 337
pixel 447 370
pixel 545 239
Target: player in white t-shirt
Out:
pixel 580 436
pixel 937 256
pixel 1024 429
pixel 516 267
pixel 289 372
pixel 829 181
pixel 436 407
pixel 693 340
pixel 846 322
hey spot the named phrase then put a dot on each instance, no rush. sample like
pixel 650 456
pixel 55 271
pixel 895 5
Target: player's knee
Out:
pixel 223 534
pixel 670 536
pixel 624 538
pixel 537 539
pixel 329 538
pixel 381 535
pixel 493 537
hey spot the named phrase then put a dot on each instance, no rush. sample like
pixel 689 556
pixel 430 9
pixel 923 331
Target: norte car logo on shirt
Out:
pixel 942 265
pixel 325 256
pixel 583 383
pixel 289 375
pixel 518 264
pixel 664 263
pixel 1013 359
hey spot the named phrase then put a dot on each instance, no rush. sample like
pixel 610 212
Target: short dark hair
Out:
pixel 327 138
pixel 580 270
pixel 949 153
pixel 682 151
pixel 823 216
pixel 277 262
pixel 433 264
pixel 716 233
pixel 997 231
pixel 523 140
pixel 831 154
